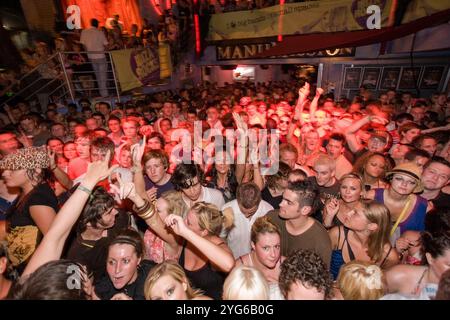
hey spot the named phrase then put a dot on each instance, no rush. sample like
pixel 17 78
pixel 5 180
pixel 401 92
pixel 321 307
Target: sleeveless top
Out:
pixel 337 259
pixel 416 219
pixel 205 278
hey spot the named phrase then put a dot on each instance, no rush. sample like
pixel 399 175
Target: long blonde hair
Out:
pixel 175 203
pixel 379 214
pixel 210 218
pixel 172 269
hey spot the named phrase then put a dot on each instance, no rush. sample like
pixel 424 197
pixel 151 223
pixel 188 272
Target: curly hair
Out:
pixel 308 268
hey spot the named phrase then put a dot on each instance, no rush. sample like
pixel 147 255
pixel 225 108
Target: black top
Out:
pixel 161 188
pixel 205 278
pixel 93 253
pixel 442 201
pixel 105 289
pixel 18 214
pixel 325 193
pixel 273 201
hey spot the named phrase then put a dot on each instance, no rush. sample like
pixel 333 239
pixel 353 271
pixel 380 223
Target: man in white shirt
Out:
pixel 188 179
pixel 95 40
pixel 246 208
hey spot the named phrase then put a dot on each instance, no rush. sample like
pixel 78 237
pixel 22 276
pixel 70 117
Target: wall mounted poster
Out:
pixel 410 78
pixel 352 78
pixel 370 77
pixel 432 77
pixel 390 78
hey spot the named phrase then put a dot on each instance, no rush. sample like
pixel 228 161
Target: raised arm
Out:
pixel 147 211
pixel 137 152
pixel 53 242
pixel 218 254
pixel 60 175
pixel 315 103
pixel 350 133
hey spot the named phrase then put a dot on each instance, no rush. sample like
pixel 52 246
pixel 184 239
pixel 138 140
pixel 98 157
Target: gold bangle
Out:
pixel 147 214
pixel 142 208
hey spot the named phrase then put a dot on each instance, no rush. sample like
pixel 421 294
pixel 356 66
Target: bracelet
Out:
pixel 142 208
pixel 147 214
pixel 80 187
pixel 136 169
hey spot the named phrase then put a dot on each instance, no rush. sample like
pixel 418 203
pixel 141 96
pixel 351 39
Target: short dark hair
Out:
pixel 103 143
pixel 404 116
pixel 248 195
pixel 49 282
pixel 307 267
pixel 131 237
pixel 272 181
pixel 413 153
pixel 184 172
pixel 417 142
pixel 437 159
pixel 100 202
pixel 305 191
pixel 338 137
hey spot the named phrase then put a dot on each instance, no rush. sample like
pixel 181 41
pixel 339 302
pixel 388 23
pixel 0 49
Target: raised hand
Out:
pixel 52 157
pixel 125 190
pixel 151 193
pixel 176 223
pixel 379 120
pixel 319 92
pixel 304 91
pixel 330 210
pixel 145 130
pixel 240 123
pixel 99 170
pixel 137 151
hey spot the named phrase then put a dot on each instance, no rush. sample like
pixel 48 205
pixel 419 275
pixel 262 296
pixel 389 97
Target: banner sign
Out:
pixel 137 68
pixel 313 17
pixel 248 51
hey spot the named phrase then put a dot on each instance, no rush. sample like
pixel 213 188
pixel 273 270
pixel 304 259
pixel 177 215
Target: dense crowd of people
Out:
pixel 170 198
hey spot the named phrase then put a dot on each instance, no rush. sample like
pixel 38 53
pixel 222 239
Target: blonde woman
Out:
pixel 156 248
pixel 168 281
pixel 350 190
pixel 266 254
pixel 204 255
pixel 364 236
pixel 361 280
pixel 245 283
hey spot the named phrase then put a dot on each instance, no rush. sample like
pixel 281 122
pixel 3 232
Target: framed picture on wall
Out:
pixel 370 77
pixel 390 78
pixel 352 77
pixel 410 78
pixel 431 77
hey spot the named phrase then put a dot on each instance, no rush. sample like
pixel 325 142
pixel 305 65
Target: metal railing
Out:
pixel 65 76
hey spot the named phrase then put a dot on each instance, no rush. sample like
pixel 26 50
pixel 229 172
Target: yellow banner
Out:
pixel 137 68
pixel 165 63
pixel 296 18
pixel 312 17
